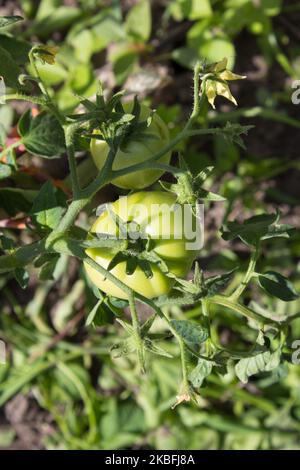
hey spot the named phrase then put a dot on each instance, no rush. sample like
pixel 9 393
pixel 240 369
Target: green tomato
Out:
pixel 156 216
pixel 136 151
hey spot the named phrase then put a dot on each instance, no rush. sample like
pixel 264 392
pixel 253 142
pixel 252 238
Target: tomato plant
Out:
pixel 131 272
pixel 146 135
pixel 141 267
pixel 159 244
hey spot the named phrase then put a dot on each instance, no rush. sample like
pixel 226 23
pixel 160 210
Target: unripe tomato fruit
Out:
pixel 137 150
pixel 155 215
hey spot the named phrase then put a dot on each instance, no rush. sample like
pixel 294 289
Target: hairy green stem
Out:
pixel 253 112
pixel 137 333
pixel 69 138
pixel 20 96
pixel 247 277
pixel 245 311
pixel 104 176
pixel 67 220
pixel 44 89
pixel 205 311
pixel 197 99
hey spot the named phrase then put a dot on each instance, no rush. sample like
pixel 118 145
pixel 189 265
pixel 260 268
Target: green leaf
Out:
pixel 97 292
pixel 200 372
pixel 19 377
pixel 186 56
pixel 123 348
pixel 42 135
pixel 46 212
pixel 233 131
pixel 43 259
pixel 51 74
pixel 14 200
pixel 68 376
pixel 45 8
pixel 261 362
pixel 190 332
pixel 108 28
pixel 278 286
pixel 190 9
pixel 204 174
pixel 105 315
pixel 145 266
pixel 8 20
pixel 9 70
pixel 154 349
pixel 7 243
pixel 251 230
pixel 138 21
pixel 115 306
pixel 100 315
pixel 17 48
pixel 217 283
pixel 127 326
pixel 117 259
pixel 58 19
pixel 131 265
pixel 117 303
pixel 204 195
pixel 93 313
pixel 83 44
pixel 278 231
pixel 199 9
pixel 211 46
pixel 22 277
pixel 47 271
pixel 123 59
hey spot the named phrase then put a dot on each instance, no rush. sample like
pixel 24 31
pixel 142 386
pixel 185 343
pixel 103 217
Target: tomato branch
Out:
pixel 21 97
pixel 137 332
pixel 247 277
pixel 237 307
pixel 69 132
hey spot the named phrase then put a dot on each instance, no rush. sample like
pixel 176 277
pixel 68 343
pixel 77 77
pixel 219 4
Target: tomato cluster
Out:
pixel 153 213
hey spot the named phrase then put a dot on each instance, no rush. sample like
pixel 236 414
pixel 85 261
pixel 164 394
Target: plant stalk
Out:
pixel 247 277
